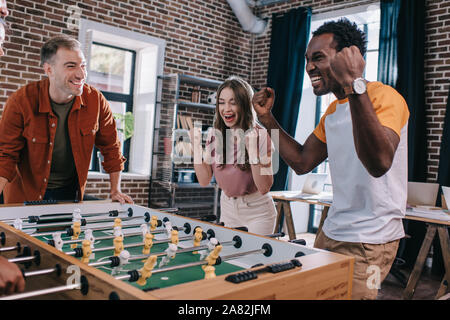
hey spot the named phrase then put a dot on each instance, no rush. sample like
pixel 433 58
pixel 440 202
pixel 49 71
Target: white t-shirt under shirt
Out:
pixel 365 209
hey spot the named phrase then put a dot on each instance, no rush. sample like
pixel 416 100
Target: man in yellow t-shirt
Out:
pixel 364 135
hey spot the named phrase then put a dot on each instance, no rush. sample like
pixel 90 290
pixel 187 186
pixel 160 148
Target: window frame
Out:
pixel 128 99
pixel 149 64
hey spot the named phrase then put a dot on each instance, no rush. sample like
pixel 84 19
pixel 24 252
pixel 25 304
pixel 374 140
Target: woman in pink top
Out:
pixel 238 154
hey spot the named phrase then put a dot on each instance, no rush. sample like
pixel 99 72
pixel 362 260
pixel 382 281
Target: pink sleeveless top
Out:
pixel 233 181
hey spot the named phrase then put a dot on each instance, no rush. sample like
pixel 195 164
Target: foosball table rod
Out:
pixel 36 259
pixel 115 262
pixel 34 219
pixel 84 222
pixel 133 275
pixel 28 274
pixel 131 234
pixel 82 285
pixel 69 230
pixel 202 262
pixel 17 248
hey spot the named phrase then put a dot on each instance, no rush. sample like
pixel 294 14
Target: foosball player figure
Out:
pixel 118 231
pixel 212 257
pixel 118 245
pixel 144 230
pixel 174 237
pixel 87 251
pixel 57 240
pixel 209 268
pixel 89 235
pixel 168 228
pixel 198 236
pixel 18 224
pixel 76 215
pixel 76 227
pixel 212 243
pixel 209 271
pixel 124 256
pixel 117 222
pixel 170 254
pixel 148 243
pixel 146 270
pixel 153 223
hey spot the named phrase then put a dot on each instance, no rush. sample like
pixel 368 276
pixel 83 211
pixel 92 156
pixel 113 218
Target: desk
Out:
pixel 432 226
pixel 282 204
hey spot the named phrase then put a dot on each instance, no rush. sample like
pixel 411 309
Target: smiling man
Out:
pixel 364 135
pixel 49 128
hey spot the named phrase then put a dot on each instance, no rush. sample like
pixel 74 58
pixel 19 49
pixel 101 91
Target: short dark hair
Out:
pixel 345 34
pixel 52 45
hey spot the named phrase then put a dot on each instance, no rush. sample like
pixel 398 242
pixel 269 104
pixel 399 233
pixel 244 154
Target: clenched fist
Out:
pixel 347 65
pixel 263 101
pixel 11 279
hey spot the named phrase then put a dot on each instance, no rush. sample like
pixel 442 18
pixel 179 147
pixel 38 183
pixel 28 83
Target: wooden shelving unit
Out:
pixel 170 97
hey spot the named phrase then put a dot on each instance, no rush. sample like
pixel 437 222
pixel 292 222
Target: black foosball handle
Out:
pixel 39 202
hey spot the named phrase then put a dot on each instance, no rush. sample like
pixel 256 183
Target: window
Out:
pixel 124 66
pixel 111 70
pixel 312 108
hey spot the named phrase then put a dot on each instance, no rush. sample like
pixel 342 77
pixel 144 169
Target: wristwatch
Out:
pixel 359 86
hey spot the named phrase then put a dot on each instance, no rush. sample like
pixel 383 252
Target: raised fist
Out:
pixel 263 101
pixel 347 65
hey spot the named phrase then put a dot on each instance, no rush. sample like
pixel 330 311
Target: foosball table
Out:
pixel 105 250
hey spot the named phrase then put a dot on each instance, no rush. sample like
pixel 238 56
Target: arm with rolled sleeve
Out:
pixel 11 141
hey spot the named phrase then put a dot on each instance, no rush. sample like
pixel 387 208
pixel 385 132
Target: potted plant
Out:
pixel 125 126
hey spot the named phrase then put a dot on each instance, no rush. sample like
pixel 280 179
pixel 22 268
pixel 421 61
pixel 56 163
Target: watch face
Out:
pixel 359 86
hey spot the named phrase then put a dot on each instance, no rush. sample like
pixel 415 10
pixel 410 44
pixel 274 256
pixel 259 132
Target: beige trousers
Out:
pixel 255 211
pixel 372 263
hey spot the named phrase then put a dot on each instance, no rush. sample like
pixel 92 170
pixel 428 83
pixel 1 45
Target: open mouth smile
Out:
pixel 77 84
pixel 315 80
pixel 229 117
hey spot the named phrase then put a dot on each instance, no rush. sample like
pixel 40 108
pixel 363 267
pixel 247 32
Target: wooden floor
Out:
pixel 391 288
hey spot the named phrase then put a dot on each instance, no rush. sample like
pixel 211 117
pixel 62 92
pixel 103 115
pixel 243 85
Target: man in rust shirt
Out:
pixel 49 128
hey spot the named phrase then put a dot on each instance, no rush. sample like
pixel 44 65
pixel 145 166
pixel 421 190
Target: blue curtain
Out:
pixel 401 65
pixel 288 44
pixel 387 57
pixel 411 83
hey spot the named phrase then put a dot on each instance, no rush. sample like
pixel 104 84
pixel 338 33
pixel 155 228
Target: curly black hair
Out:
pixel 345 33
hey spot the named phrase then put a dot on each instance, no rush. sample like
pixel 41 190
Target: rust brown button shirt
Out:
pixel 27 134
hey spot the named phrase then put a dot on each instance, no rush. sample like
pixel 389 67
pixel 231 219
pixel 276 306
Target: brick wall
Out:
pixel 437 75
pixel 204 39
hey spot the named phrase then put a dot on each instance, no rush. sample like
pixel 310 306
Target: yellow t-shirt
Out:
pixel 390 107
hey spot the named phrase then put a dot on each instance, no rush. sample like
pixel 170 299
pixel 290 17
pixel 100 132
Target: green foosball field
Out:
pixel 166 279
